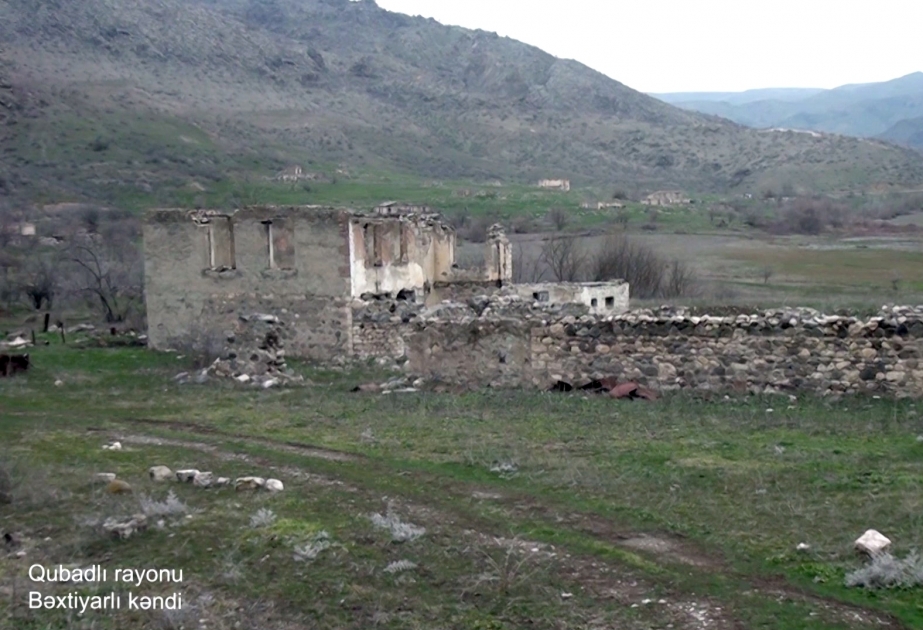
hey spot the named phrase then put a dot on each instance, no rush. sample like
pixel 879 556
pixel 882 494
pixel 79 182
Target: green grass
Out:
pixel 876 267
pixel 729 484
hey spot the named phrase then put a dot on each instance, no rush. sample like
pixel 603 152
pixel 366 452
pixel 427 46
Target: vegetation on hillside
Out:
pixel 119 106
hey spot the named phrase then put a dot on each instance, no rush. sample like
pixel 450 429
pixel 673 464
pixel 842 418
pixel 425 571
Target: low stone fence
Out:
pixel 509 342
pixel 769 352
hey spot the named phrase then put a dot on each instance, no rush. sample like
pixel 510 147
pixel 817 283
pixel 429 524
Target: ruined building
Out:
pixel 211 272
pixel 331 284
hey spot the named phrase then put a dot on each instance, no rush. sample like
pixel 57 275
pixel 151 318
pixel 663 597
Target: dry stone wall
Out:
pixel 505 341
pixel 309 327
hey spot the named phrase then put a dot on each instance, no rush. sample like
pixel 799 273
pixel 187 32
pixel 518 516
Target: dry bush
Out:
pixel 473 229
pixel 649 274
pixel 810 215
pixel 565 258
pixel 886 571
pixel 526 269
pixel 522 224
pixel 558 218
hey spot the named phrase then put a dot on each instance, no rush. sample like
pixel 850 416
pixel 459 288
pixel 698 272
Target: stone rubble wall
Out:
pixel 505 341
pixel 309 327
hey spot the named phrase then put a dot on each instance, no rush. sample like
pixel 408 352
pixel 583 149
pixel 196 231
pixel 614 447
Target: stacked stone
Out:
pixel 264 365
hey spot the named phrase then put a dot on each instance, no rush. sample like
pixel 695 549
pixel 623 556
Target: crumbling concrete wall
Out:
pixel 498 257
pixel 391 254
pixel 200 265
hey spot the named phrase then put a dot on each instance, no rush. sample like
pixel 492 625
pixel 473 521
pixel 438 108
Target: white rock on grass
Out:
pixel 249 483
pixel 203 480
pixel 160 473
pixel 872 542
pixel 105 477
pixel 125 528
pixel 186 476
pixel 803 547
pixel 274 485
pixel 243 378
pixel 222 481
pixel 115 446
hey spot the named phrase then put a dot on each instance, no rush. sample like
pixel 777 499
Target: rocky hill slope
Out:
pixel 146 97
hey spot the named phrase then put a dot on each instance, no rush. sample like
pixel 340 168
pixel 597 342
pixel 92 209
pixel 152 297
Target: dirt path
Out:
pixel 603 579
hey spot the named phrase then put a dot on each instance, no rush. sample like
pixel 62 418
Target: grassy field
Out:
pixel 685 513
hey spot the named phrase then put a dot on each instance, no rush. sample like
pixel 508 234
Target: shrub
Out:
pixel 886 571
pixel 649 274
pixel 400 531
pixel 263 518
pixel 171 506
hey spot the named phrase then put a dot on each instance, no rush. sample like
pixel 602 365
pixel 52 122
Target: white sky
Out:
pixel 706 45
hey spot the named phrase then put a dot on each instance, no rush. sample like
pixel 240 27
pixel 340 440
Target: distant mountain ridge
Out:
pixel 139 99
pixel 872 110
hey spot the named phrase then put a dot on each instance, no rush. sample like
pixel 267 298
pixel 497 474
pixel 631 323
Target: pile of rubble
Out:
pixel 263 366
pixel 505 304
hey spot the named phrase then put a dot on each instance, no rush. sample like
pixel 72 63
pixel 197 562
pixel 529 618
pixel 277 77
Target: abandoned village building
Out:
pixel 207 272
pixel 332 284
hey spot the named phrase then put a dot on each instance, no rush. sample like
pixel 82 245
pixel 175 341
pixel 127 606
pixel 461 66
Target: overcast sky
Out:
pixel 706 45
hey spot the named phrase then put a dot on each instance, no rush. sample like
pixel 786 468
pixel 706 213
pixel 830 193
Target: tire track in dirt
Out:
pixel 628 589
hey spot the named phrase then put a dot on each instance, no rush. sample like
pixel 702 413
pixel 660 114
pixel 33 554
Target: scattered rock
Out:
pixel 222 481
pixel 114 446
pixel 249 483
pixel 105 477
pixel 186 476
pixel 203 480
pixel 160 473
pixel 123 529
pixel 58 383
pixel 274 485
pixel 803 547
pixel 872 542
pixel 117 486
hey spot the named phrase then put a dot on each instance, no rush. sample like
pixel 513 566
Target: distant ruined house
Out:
pixel 666 198
pixel 291 174
pixel 601 205
pixel 555 184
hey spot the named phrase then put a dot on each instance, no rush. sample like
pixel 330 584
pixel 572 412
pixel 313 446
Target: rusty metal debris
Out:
pixel 610 386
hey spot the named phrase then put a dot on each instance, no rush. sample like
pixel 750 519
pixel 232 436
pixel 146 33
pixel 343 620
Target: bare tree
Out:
pixel 650 275
pixel 39 282
pixel 559 218
pixel 564 258
pixel 766 272
pixel 107 270
pixel 526 268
